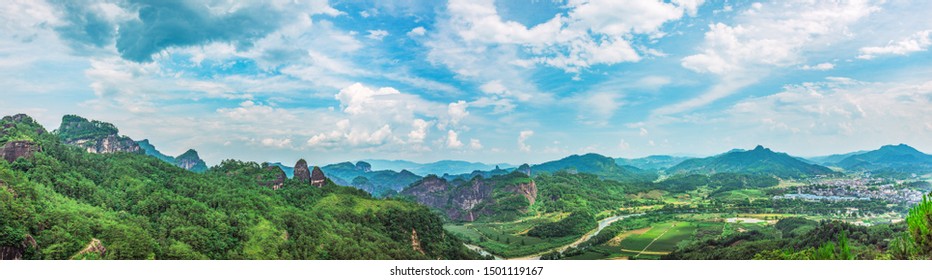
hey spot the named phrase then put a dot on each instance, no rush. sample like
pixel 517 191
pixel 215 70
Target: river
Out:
pixel 602 224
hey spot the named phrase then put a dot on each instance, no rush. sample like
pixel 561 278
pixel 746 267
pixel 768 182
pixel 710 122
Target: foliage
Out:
pixel 142 208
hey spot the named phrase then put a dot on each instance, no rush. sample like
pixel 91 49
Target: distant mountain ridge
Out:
pixel 189 160
pixel 889 158
pixel 759 161
pixel 655 162
pixel 596 164
pixel 436 168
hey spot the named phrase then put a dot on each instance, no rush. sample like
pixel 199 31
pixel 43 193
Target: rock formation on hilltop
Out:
pixel 363 166
pixel 191 161
pixel 272 176
pixel 301 172
pixel 317 177
pixel 95 136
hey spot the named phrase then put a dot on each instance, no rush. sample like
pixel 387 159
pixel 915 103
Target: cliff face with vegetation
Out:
pixel 64 202
pixel 498 197
pixel 95 137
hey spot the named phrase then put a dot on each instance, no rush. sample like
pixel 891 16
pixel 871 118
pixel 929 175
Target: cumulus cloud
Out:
pixel 453 140
pixel 820 67
pixel 766 36
pixel 457 111
pixel 917 42
pixel 417 31
pixel 377 34
pixel 522 138
pixel 475 144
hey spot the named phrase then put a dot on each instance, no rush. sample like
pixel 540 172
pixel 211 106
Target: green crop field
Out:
pixel 660 238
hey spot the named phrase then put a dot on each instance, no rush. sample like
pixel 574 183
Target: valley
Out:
pixel 84 191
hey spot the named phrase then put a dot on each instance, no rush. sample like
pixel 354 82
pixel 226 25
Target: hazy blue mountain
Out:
pixel 188 160
pixel 596 164
pixel 436 168
pixel 831 160
pixel 760 161
pixel 890 159
pixel 655 162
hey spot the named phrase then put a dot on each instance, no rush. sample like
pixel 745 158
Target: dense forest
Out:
pixel 61 202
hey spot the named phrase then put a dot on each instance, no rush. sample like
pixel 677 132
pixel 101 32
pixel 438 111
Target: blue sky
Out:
pixel 491 81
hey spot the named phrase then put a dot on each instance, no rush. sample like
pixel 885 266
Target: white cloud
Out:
pixel 276 143
pixel 623 145
pixel 453 140
pixel 457 111
pixel 475 144
pixel 597 108
pixel 524 147
pixel 377 34
pixel 917 42
pixel 419 131
pixel 417 32
pixel 766 36
pixel 820 67
pixel 642 132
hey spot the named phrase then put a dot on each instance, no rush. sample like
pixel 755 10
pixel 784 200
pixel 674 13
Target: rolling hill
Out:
pixel 901 159
pixel 759 161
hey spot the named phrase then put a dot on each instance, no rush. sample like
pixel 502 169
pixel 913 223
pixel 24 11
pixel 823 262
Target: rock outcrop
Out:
pixel 525 168
pixel 94 247
pixel 95 136
pixel 190 160
pixel 301 172
pixel 16 149
pixel 503 195
pixel 317 177
pixel 16 252
pixel 363 166
pixel 272 176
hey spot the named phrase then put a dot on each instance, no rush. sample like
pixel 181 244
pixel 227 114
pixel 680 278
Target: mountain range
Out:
pixel 759 161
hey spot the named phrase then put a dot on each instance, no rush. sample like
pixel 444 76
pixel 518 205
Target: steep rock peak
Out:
pixel 317 177
pixel 301 172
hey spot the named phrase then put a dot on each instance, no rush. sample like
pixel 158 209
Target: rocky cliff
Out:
pixel 16 149
pixel 191 161
pixel 317 177
pixel 503 196
pixel 95 136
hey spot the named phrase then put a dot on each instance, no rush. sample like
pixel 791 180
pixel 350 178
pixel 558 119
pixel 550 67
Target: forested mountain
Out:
pixel 900 159
pixel 58 201
pixel 188 160
pixel 759 161
pixel 604 167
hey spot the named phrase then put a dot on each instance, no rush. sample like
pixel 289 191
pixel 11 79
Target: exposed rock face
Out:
pixel 95 136
pixel 301 172
pixel 466 200
pixel 363 166
pixel 430 191
pixel 17 149
pixel 95 247
pixel 190 160
pixel 317 177
pixel 272 176
pixel 528 190
pixel 475 198
pixel 16 252
pixel 525 168
pixel 415 242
